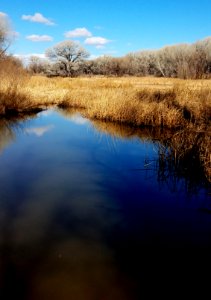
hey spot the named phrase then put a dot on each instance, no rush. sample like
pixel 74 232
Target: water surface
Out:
pixel 85 209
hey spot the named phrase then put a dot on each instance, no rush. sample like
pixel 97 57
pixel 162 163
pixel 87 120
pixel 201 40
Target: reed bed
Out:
pixel 156 102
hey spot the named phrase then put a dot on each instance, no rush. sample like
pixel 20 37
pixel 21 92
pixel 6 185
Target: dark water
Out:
pixel 86 214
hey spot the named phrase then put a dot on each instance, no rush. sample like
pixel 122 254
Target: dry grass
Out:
pixel 193 147
pixel 140 101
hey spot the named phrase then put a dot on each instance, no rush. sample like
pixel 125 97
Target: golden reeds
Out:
pixel 161 102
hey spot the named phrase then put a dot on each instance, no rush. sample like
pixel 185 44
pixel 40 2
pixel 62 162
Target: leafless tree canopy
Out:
pixel 186 61
pixel 67 57
pixel 38 65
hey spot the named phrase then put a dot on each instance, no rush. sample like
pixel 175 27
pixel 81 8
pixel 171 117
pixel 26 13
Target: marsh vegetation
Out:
pixel 140 101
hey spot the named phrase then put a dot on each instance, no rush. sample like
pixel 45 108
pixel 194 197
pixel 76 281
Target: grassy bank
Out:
pixel 139 101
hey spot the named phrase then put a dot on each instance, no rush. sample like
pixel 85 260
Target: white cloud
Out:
pixel 97 41
pixel 39 38
pixel 78 32
pixel 38 18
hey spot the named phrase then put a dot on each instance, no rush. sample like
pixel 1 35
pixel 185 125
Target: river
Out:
pixel 83 204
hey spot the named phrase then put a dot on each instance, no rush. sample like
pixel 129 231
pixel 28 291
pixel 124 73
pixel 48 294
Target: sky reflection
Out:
pixel 77 220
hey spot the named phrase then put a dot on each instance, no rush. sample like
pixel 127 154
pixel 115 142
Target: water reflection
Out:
pixel 52 237
pixel 9 128
pixel 181 155
pixel 6 135
pixel 39 131
pixel 78 214
pixel 51 250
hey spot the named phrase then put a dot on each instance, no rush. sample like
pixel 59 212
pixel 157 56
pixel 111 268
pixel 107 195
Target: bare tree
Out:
pixel 5 34
pixel 68 55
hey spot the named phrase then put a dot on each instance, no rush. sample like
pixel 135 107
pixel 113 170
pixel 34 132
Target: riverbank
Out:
pixel 161 102
pixel 179 105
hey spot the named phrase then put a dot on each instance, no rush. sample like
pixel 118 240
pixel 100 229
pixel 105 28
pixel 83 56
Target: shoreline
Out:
pixel 183 106
pixel 162 102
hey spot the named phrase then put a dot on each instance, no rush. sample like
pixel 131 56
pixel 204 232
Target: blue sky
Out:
pixel 106 27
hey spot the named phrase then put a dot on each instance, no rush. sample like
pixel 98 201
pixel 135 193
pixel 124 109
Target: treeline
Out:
pixel 186 61
pixel 69 58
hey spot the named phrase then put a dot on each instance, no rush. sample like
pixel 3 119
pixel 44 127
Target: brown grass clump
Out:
pixel 195 103
pixel 13 79
pixel 166 103
pixel 126 107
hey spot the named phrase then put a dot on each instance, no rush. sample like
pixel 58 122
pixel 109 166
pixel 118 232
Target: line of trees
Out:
pixel 187 61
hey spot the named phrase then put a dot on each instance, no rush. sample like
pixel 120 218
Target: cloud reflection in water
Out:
pixel 39 131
